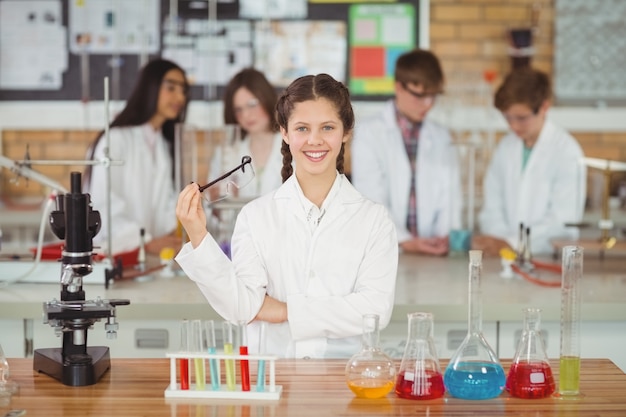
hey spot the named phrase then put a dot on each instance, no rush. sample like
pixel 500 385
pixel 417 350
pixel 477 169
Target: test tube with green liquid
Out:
pixel 227 330
pixel 214 368
pixel 569 366
pixel 198 346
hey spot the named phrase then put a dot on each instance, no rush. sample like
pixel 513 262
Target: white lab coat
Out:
pixel 548 193
pixel 381 170
pixel 142 189
pixel 264 181
pixel 329 275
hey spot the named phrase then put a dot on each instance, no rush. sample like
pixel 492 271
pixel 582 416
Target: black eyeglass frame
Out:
pixel 245 160
pixel 421 96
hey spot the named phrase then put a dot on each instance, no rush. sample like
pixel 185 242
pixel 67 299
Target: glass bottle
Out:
pixel 530 375
pixel 420 376
pixel 370 373
pixel 569 360
pixel 474 371
pixel 7 386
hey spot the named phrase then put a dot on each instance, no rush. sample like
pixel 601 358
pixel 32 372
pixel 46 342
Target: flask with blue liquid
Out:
pixel 474 371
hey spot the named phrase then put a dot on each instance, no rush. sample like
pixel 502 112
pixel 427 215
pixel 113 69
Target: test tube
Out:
pixel 569 364
pixel 243 350
pixel 227 330
pixel 212 349
pixel 197 345
pixel 183 363
pixel 260 375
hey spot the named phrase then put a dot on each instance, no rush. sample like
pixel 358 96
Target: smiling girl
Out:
pixel 310 258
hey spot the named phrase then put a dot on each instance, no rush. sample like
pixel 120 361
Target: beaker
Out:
pixel 420 376
pixel 8 387
pixel 530 375
pixel 569 364
pixel 474 371
pixel 370 373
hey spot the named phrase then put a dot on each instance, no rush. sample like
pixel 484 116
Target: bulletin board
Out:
pixel 355 41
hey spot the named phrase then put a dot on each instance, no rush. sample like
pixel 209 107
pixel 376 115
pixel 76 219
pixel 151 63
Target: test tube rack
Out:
pixel 271 391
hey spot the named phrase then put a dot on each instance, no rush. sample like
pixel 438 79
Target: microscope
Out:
pixel 75 363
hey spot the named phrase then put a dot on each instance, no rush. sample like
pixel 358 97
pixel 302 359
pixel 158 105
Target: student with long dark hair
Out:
pixel 142 136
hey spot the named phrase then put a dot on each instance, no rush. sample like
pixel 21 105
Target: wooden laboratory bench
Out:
pixel 135 387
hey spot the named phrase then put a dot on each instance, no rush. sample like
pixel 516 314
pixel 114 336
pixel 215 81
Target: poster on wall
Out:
pixel 378 35
pixel 33 55
pixel 286 50
pixel 105 27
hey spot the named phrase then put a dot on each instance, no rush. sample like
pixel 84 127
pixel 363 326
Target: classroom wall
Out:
pixel 469 36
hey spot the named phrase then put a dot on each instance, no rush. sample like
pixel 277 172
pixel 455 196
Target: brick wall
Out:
pixel 469 36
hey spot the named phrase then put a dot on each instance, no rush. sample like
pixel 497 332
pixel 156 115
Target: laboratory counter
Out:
pixel 435 284
pixel 135 387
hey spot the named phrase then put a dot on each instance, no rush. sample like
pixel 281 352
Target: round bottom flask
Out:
pixel 370 373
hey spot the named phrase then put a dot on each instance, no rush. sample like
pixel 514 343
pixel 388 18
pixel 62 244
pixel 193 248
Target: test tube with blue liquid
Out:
pixel 214 368
pixel 197 341
pixel 260 375
pixel 227 329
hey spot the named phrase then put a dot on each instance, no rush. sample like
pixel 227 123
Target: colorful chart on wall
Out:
pixel 378 35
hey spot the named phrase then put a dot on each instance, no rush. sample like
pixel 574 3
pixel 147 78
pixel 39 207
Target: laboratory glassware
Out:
pixel 212 348
pixel 183 363
pixel 8 388
pixel 260 375
pixel 227 331
pixel 569 364
pixel 370 373
pixel 474 371
pixel 243 350
pixel 530 375
pixel 197 346
pixel 420 376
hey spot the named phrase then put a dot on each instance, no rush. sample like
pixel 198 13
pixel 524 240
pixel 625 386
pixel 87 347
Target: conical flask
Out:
pixel 370 373
pixel 530 375
pixel 420 376
pixel 474 371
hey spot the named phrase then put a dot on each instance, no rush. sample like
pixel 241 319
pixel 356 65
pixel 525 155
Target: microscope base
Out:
pixel 76 370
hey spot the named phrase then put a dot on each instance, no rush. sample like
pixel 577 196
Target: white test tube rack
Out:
pixel 271 391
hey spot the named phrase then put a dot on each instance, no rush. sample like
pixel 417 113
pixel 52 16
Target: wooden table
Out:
pixel 135 387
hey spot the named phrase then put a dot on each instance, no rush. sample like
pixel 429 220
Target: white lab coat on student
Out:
pixel 142 189
pixel 329 275
pixel 548 193
pixel 381 170
pixel 265 180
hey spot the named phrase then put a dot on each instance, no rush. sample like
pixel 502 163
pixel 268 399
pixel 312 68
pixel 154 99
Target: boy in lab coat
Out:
pixel 536 176
pixel 408 163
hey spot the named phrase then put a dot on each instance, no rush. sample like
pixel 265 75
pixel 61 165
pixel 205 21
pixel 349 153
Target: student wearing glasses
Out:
pixel 536 176
pixel 407 162
pixel 313 256
pixel 249 101
pixel 142 189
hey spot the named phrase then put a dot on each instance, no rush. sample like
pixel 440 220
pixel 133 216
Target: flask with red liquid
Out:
pixel 420 376
pixel 530 375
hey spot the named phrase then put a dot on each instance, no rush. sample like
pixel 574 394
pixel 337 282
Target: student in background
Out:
pixel 249 101
pixel 407 162
pixel 536 175
pixel 142 136
pixel 309 258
